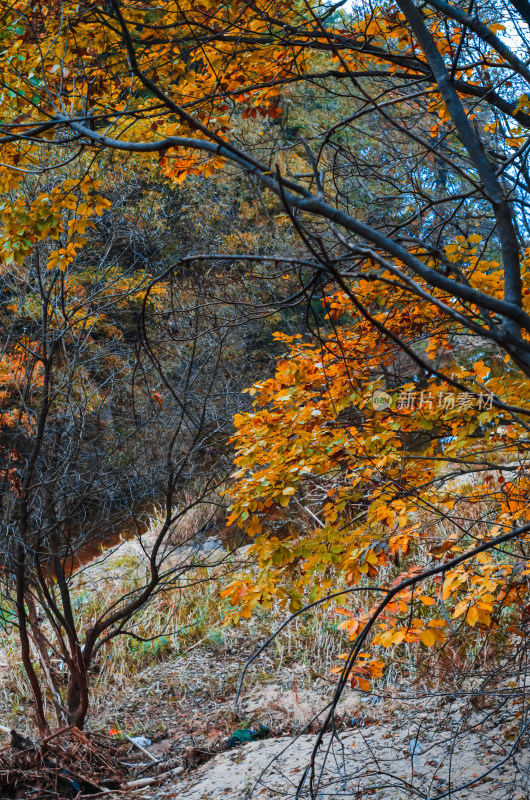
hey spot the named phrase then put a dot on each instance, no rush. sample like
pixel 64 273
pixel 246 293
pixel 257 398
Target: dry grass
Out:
pixel 190 620
pixel 176 623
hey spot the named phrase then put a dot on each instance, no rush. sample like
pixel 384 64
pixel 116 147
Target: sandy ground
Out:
pixel 387 751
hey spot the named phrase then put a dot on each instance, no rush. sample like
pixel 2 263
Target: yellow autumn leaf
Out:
pixel 472 616
pixel 426 637
pixel 426 600
pixel 481 369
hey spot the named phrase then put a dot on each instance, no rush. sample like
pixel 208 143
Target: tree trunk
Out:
pixel 78 694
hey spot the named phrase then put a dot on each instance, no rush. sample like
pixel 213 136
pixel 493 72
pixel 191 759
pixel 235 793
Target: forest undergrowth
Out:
pixel 185 645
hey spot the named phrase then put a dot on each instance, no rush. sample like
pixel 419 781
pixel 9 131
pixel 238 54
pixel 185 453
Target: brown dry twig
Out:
pixel 66 761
